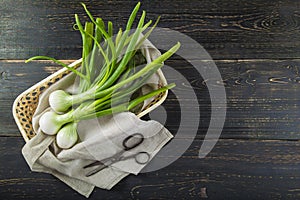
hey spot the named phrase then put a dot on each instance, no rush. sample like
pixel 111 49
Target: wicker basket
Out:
pixel 26 103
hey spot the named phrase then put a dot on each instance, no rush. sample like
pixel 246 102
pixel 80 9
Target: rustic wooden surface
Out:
pixel 256 46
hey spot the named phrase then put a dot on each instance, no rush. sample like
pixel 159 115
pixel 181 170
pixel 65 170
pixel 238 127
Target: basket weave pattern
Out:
pixel 28 102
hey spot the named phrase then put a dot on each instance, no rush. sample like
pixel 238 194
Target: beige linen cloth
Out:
pixel 98 139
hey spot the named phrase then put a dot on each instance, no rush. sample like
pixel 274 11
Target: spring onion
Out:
pixel 109 75
pixel 67 136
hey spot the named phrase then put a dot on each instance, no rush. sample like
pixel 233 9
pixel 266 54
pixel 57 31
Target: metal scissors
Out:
pixel 129 143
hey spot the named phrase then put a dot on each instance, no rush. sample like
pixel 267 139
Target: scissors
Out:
pixel 140 157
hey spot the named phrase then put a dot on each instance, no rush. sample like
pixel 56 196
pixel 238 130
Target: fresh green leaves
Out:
pixel 108 75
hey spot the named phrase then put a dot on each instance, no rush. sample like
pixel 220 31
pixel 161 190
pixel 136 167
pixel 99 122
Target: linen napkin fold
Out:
pixel 67 165
pixel 99 139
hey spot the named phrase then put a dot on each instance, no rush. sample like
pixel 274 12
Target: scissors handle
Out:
pixel 127 144
pixel 140 158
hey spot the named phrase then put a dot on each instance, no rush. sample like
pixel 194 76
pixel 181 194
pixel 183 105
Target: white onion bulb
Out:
pixel 60 101
pixel 67 136
pixel 50 122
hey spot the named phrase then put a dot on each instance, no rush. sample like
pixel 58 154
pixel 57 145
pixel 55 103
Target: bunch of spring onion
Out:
pixel 109 75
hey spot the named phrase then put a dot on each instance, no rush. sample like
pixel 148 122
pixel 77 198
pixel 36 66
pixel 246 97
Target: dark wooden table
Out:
pixel 256 46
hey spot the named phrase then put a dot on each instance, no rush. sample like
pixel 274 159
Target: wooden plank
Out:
pixel 262 96
pixel 235 169
pixel 16 77
pixel 226 29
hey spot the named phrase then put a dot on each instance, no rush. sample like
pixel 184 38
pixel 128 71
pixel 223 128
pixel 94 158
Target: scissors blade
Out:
pixel 96 170
pixel 93 164
pixel 99 165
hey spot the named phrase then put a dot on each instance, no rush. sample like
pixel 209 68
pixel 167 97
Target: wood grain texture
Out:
pixel 256 106
pixel 226 29
pixel 256 47
pixel 235 169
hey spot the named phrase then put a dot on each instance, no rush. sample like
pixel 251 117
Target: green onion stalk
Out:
pixel 108 75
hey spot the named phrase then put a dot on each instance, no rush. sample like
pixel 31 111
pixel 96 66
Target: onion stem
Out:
pixel 109 75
